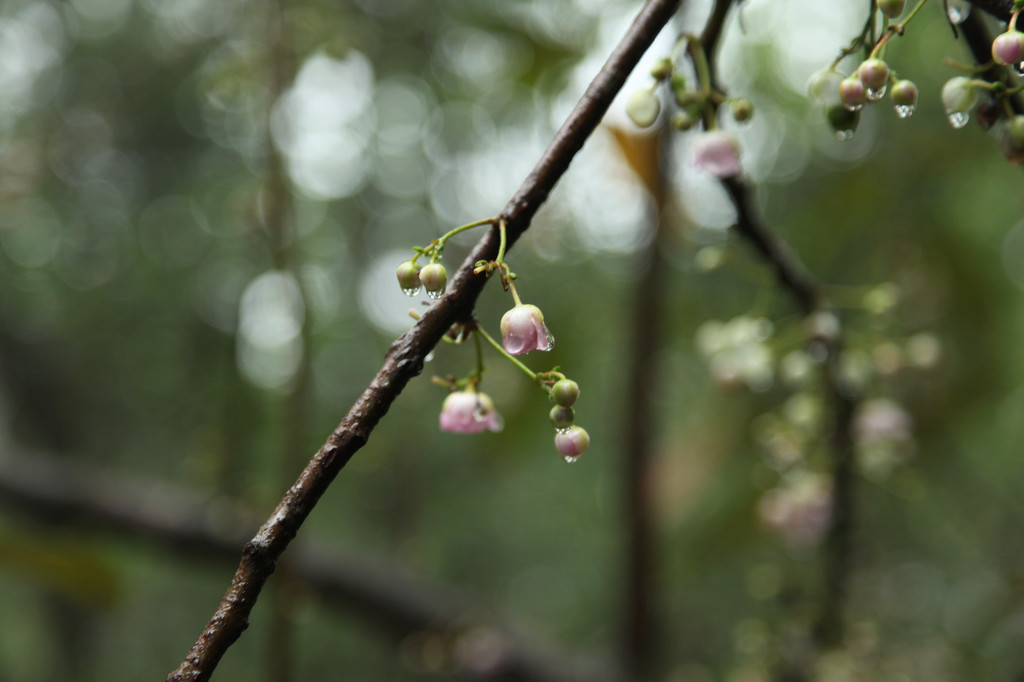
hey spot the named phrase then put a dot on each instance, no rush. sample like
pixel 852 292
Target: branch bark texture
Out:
pixel 405 358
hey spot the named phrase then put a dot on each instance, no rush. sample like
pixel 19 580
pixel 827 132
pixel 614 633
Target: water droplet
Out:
pixel 853 107
pixel 435 294
pixel 430 356
pixel 905 110
pixel 875 95
pixel 564 429
pixel 844 135
pixel 409 291
pixel 570 459
pixel 959 119
pixel 551 342
pixel 1018 68
pixel 958 11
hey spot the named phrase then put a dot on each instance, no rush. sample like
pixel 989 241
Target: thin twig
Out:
pixel 405 358
pixel 794 279
pixel 196 527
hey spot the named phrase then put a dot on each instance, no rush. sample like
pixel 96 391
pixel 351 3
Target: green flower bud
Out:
pixel 434 279
pixel 892 8
pixel 742 110
pixel 562 417
pixel 409 278
pixel 684 120
pixel 643 108
pixel 565 392
pixel 678 85
pixel 662 69
pixel 843 121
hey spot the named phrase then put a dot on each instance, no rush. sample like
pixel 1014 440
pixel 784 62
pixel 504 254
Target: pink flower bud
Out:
pixel 717 153
pixel 523 330
pixel 572 442
pixel 874 73
pixel 1008 48
pixel 853 93
pixel 469 412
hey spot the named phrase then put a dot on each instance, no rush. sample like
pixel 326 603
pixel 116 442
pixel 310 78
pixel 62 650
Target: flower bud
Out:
pixel 892 8
pixel 1011 139
pixel 684 120
pixel 434 279
pixel 643 108
pixel 742 110
pixel 565 392
pixel 842 120
pixel 852 93
pixel 678 85
pixel 718 153
pixel 469 412
pixel 562 417
pixel 823 87
pixel 572 443
pixel 959 95
pixel 904 97
pixel 409 277
pixel 662 69
pixel 1008 48
pixel 874 73
pixel 523 330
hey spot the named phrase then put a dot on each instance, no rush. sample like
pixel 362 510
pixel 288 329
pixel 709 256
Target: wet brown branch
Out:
pixel 195 527
pixel 405 358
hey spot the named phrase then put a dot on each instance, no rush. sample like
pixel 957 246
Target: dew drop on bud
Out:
pixel 436 294
pixel 959 119
pixel 1018 68
pixel 844 135
pixel 410 291
pixel 853 107
pixel 875 95
pixel 957 11
pixel 905 110
pixel 570 459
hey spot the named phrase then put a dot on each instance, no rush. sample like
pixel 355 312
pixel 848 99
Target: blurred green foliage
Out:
pixel 136 167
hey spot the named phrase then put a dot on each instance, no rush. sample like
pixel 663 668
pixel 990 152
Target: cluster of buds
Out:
pixel 466 409
pixel 714 151
pixel 570 440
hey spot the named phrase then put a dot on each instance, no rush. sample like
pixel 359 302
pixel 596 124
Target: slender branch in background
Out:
pixel 190 526
pixel 651 159
pixel 405 358
pixel 279 223
pixel 796 281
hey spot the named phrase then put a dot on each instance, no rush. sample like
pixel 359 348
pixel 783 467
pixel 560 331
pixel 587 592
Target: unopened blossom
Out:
pixel 469 412
pixel 572 442
pixel 718 153
pixel 1008 48
pixel 523 330
pixel 959 95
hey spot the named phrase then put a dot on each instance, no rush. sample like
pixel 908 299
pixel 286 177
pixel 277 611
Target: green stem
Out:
pixel 439 243
pixel 479 357
pixel 515 294
pixel 500 260
pixel 497 346
pixel 903 24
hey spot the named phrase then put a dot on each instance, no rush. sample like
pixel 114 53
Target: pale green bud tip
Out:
pixel 434 278
pixel 959 95
pixel 565 392
pixel 892 8
pixel 409 275
pixel 643 108
pixel 742 110
pixel 904 93
pixel 823 86
pixel 662 69
pixel 562 417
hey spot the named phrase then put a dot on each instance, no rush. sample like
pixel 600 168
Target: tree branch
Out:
pixel 405 358
pixel 191 525
pixel 794 279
